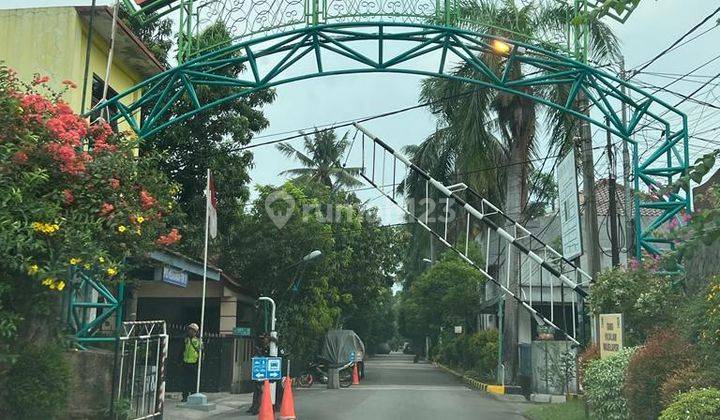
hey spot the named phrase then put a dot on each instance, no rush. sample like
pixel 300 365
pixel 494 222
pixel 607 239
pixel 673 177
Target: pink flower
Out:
pixel 146 200
pixel 38 80
pixel 169 239
pixel 634 264
pixel 106 209
pixel 19 158
pixel 114 183
pixel 686 217
pixel 69 198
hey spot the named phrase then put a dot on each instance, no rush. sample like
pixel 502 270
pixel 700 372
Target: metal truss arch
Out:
pixel 430 50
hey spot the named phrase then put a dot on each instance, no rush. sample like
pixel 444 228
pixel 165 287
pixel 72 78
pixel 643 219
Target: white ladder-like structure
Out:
pixel 562 272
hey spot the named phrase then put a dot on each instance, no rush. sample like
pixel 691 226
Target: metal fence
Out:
pixel 140 392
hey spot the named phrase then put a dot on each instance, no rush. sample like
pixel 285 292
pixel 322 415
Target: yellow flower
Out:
pixel 101 259
pixel 48 281
pixel 122 228
pixel 87 266
pixel 60 285
pixel 140 219
pixel 138 232
pixel 52 286
pixel 111 271
pixel 33 269
pixel 170 206
pixel 75 261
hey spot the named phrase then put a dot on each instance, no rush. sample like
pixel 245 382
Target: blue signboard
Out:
pixel 175 276
pixel 264 368
pixel 242 332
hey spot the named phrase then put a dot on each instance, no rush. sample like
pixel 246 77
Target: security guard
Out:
pixel 190 358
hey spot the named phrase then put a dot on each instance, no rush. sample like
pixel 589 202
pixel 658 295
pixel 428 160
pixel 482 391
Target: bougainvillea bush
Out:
pixel 73 196
pixel 603 381
pixel 649 368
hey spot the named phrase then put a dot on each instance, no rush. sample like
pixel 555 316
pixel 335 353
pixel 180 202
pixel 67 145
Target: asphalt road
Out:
pixel 396 388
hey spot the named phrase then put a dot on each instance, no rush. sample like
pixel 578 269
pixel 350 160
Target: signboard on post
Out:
pixel 242 332
pixel 569 207
pixel 611 334
pixel 175 276
pixel 458 329
pixel 266 368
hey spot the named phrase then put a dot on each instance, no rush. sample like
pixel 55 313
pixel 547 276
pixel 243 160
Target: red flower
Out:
pixel 20 157
pixel 114 183
pixel 38 80
pixel 169 239
pixel 106 209
pixel 146 200
pixel 70 84
pixel 69 198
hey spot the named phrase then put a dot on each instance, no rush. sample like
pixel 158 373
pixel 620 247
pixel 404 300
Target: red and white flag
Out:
pixel 211 195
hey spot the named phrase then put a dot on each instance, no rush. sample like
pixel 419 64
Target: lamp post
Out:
pixel 273 351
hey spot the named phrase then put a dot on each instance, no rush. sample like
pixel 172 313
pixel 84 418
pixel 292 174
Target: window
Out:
pixel 97 94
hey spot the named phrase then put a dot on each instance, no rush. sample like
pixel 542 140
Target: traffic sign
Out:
pixel 266 368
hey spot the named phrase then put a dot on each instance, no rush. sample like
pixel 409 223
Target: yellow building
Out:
pixel 52 41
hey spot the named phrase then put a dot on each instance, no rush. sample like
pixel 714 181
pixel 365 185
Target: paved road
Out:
pixel 396 388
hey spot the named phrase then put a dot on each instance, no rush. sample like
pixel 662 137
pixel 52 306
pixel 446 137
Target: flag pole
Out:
pixel 202 306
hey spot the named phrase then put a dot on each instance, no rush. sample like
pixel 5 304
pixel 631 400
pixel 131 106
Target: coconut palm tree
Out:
pixel 486 127
pixel 322 160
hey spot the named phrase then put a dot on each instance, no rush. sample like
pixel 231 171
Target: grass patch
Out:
pixel 572 410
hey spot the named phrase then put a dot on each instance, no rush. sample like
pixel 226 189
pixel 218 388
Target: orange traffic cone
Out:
pixel 287 408
pixel 266 408
pixel 356 377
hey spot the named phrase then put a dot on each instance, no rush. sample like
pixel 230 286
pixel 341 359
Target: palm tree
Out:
pixel 322 160
pixel 486 127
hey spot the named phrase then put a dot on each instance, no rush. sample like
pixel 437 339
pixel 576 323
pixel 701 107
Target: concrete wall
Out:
pixel 91 383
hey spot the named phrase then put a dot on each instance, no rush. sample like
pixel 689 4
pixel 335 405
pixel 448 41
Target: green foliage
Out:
pixel 63 208
pixel 604 382
pixel 38 384
pixel 646 299
pixel 444 296
pixel 348 286
pixel 694 405
pixel 322 160
pixel 211 140
pixel 650 366
pixel 683 380
pixel 476 353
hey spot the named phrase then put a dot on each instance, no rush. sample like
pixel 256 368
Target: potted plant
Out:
pixel 545 333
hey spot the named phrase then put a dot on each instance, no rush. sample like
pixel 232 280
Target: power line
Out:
pixel 674 44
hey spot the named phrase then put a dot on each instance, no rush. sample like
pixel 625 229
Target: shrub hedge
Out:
pixel 700 404
pixel 603 383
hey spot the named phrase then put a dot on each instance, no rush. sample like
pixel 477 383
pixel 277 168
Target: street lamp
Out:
pixel 427 260
pixel 501 47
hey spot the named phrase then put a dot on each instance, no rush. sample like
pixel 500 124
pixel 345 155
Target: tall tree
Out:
pixel 322 160
pixel 211 140
pixel 485 121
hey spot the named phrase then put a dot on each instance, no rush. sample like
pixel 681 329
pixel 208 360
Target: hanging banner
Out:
pixel 569 207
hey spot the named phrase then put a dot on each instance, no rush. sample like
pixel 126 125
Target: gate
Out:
pixel 140 386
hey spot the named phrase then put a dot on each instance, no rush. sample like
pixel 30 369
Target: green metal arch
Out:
pixel 605 92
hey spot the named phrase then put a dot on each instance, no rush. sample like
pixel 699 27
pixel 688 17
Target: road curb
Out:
pixel 475 384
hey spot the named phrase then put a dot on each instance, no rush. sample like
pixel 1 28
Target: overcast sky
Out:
pixel 652 28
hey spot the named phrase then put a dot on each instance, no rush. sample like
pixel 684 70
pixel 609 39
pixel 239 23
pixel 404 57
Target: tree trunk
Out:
pixel 513 200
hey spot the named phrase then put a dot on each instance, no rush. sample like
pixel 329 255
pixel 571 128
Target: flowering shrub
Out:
pixel 663 353
pixel 73 196
pixel 683 380
pixel 643 297
pixel 592 352
pixel 694 405
pixel 604 380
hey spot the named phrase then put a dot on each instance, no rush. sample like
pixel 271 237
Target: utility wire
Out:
pixel 674 44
